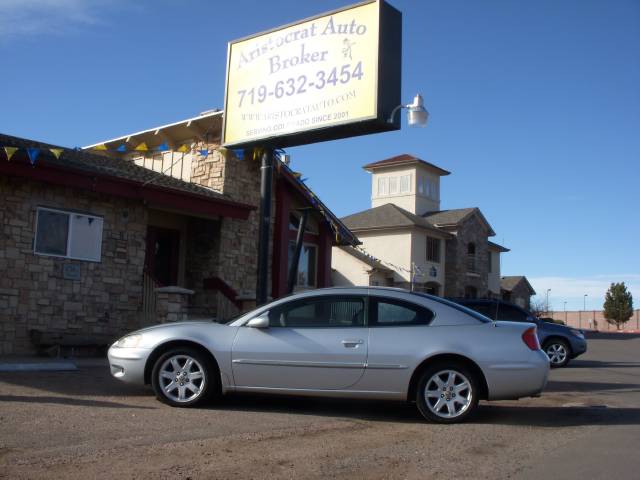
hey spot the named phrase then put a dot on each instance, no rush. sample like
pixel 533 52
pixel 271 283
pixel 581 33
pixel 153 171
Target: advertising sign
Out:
pixel 331 76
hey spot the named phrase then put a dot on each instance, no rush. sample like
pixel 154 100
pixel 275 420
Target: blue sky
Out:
pixel 535 109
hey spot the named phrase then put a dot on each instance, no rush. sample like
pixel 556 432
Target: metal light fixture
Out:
pixel 417 115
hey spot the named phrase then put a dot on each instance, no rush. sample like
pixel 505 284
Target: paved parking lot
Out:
pixel 85 425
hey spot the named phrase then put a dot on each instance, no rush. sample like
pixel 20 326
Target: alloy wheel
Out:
pixel 557 353
pixel 181 378
pixel 448 394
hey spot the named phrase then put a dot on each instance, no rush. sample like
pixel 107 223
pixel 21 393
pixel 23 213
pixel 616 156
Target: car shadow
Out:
pixel 573 386
pixel 401 412
pixel 547 416
pixel 600 364
pixel 69 401
pixel 92 382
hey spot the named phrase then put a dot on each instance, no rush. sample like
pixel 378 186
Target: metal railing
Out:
pixel 149 285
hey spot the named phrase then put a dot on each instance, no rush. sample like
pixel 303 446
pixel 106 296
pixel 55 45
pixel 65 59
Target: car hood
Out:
pixel 162 326
pixel 555 327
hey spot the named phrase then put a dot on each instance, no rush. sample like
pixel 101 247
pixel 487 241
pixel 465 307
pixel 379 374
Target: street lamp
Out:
pixel 565 312
pixel 547 306
pixel 417 115
pixel 584 302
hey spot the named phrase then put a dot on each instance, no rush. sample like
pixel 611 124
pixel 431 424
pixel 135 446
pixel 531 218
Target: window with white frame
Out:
pixel 393 185
pixel 383 184
pixel 68 234
pixel 405 183
pixel 420 185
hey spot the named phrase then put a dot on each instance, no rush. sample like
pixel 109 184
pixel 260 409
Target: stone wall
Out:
pixel 238 248
pixel 457 274
pixel 520 295
pixel 33 293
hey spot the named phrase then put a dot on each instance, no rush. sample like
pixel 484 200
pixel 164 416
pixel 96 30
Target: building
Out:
pixel 159 225
pixel 443 252
pixel 517 289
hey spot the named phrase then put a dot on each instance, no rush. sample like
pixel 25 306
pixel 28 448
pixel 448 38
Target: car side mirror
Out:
pixel 259 322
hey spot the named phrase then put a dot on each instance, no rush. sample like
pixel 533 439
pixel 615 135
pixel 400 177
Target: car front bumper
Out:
pixel 578 346
pixel 128 364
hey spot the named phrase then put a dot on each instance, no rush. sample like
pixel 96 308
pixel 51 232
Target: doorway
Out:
pixel 162 255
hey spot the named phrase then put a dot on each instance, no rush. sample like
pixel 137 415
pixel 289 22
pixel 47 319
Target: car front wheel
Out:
pixel 183 377
pixel 447 393
pixel 558 353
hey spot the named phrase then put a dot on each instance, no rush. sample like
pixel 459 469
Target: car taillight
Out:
pixel 530 338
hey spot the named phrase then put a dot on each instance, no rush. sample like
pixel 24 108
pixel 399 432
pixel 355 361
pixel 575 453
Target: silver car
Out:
pixel 360 342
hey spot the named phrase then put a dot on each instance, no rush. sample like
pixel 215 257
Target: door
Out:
pixel 161 260
pixel 317 343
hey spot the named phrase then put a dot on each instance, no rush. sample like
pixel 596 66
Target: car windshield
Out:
pixel 457 306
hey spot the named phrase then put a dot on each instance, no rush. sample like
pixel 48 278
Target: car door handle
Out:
pixel 352 343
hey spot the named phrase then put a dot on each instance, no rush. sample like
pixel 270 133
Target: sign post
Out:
pixel 331 76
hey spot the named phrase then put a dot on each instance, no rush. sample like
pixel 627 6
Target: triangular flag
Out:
pixel 163 147
pixel 224 152
pixel 10 151
pixel 183 149
pixel 239 154
pixel 121 148
pixel 33 154
pixel 142 147
pixel 204 152
pixel 56 152
pixel 102 146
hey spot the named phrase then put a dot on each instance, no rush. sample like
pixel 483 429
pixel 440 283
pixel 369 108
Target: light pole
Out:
pixel 565 312
pixel 547 302
pixel 584 302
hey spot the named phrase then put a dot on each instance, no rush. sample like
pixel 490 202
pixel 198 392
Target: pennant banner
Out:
pixel 33 154
pixel 142 147
pixel 56 152
pixel 10 151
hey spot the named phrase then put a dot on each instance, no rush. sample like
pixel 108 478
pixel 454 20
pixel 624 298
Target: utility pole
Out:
pixel 266 182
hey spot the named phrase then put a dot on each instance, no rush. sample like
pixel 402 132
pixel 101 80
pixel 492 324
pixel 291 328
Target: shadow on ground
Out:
pixel 490 413
pixel 600 364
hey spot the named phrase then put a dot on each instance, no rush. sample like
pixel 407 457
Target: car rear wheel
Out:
pixel 447 393
pixel 558 352
pixel 183 377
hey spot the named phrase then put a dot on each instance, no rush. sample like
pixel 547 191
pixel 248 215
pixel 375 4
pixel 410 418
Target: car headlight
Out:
pixel 129 341
pixel 577 333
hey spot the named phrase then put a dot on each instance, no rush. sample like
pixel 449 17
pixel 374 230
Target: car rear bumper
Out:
pixel 127 364
pixel 510 381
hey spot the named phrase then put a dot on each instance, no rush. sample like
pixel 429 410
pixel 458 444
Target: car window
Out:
pixel 388 312
pixel 319 312
pixel 513 314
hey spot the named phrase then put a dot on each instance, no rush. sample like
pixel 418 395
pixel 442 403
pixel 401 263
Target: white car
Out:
pixel 360 342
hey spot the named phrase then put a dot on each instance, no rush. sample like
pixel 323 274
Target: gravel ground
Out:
pixel 84 424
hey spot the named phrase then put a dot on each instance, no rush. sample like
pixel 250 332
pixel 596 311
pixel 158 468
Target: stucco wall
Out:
pixel 494 274
pixel 33 293
pixel 393 247
pixel 348 270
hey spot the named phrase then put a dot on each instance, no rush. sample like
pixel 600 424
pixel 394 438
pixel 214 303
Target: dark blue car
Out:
pixel 560 343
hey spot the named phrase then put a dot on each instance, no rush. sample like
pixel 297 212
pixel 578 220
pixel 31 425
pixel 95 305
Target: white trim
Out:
pixel 186 123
